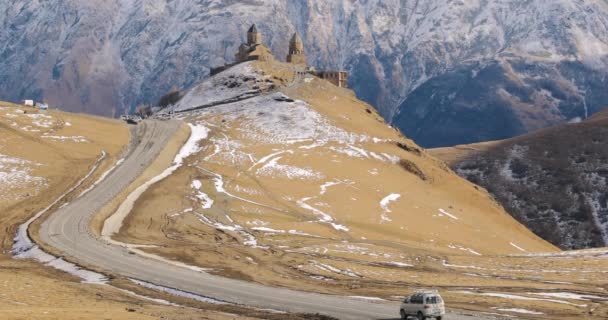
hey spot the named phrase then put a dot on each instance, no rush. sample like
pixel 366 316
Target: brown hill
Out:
pixel 42 155
pixel 304 186
pixel 552 180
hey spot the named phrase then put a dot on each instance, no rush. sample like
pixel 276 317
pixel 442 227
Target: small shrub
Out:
pixel 407 148
pixel 169 99
pixel 519 168
pixel 412 168
pixel 143 111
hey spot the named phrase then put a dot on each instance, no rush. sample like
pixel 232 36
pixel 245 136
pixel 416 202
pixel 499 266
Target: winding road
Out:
pixel 67 230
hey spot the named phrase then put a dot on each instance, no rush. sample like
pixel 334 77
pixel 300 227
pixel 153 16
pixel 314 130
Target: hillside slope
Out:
pixel 42 156
pixel 534 63
pixel 305 141
pixel 44 153
pixel 299 184
pixel 553 180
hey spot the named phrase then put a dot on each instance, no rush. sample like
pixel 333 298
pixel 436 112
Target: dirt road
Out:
pixel 67 229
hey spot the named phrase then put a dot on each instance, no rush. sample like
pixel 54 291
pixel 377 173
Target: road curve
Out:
pixel 67 229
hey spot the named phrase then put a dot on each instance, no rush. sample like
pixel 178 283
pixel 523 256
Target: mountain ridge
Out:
pixel 110 57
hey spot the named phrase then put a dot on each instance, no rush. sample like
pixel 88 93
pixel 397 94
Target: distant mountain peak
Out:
pixel 407 58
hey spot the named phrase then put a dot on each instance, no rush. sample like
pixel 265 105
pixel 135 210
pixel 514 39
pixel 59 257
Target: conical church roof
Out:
pixel 253 28
pixel 296 43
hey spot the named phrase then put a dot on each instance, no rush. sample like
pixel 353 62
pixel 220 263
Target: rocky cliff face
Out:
pixel 555 181
pixel 443 71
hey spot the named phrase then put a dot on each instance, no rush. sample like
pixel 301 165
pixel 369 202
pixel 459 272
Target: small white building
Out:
pixel 29 103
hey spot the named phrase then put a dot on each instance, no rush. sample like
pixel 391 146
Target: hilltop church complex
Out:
pixel 255 50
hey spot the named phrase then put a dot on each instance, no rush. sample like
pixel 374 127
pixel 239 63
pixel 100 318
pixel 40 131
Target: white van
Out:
pixel 423 305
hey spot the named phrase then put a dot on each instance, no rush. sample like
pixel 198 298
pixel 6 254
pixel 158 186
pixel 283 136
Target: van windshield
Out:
pixel 433 300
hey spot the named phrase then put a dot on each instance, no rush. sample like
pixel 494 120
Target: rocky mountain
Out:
pixel 518 66
pixel 443 71
pixel 555 180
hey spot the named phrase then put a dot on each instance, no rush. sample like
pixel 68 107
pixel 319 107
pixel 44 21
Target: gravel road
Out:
pixel 67 229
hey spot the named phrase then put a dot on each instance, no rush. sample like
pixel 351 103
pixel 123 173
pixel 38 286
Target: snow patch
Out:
pixel 518 310
pixel 218 182
pixel 86 276
pixel 197 184
pixel 518 247
pixel 401 264
pixel 15 173
pixel 41 120
pixel 25 248
pixel 206 201
pixel 267 230
pixel 384 204
pixel 367 298
pixel 274 169
pixel 517 297
pixel 279 122
pixel 179 293
pixel 77 139
pixel 569 295
pixel 442 211
pixel 249 239
pixel 459 247
pixel 324 217
pixel 332 269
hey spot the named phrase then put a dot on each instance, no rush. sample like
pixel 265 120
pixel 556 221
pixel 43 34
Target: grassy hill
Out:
pixel 552 180
pixel 42 155
pixel 299 184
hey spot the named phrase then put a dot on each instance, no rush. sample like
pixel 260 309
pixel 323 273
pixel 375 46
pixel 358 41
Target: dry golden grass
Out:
pixel 29 290
pixel 61 163
pixel 456 154
pixel 469 252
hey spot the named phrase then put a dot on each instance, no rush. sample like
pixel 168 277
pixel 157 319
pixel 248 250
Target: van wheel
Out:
pixel 439 318
pixel 403 315
pixel 420 316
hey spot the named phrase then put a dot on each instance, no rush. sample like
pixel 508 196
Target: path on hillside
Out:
pixel 67 229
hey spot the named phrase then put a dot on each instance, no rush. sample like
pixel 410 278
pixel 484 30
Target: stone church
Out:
pixel 296 51
pixel 255 50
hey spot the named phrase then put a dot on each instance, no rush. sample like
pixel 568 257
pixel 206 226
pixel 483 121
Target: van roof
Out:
pixel 426 292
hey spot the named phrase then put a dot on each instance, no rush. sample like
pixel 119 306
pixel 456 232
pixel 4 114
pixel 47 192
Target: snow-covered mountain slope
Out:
pixel 435 68
pixel 554 180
